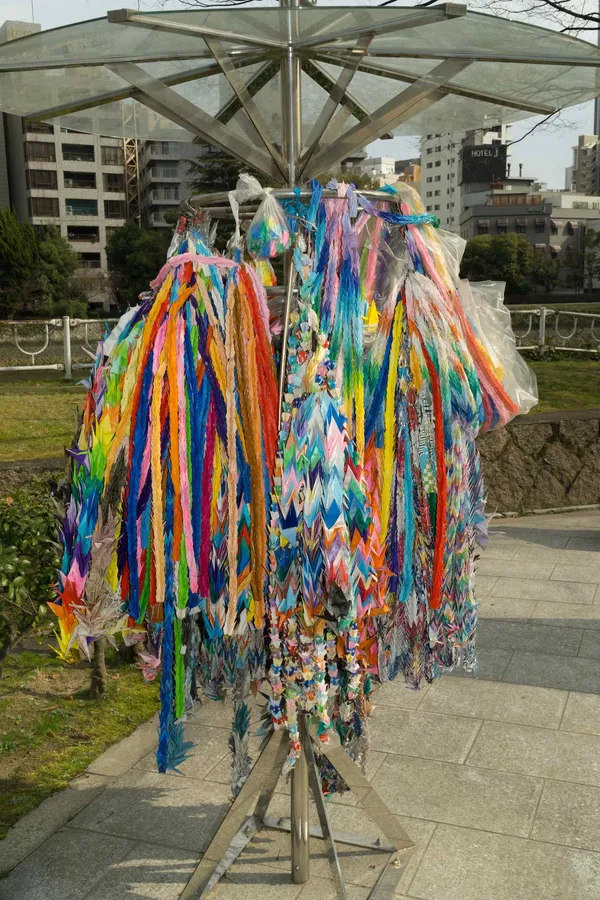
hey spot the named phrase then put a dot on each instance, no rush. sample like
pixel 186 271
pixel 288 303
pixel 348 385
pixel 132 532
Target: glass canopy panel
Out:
pixel 475 33
pixel 180 58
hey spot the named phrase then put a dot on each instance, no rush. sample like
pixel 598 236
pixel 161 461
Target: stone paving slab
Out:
pixel 532 637
pixel 443 737
pixel 65 867
pixel 458 794
pixel 541 752
pixel 465 864
pixel 167 810
pixel 518 704
pixel 567 672
pixel 569 814
pixel 582 713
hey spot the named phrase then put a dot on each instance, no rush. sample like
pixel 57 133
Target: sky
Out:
pixel 544 154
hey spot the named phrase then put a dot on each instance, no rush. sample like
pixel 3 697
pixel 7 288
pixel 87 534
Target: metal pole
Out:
pixel 299 815
pixel 67 347
pixel 291 124
pixel 542 331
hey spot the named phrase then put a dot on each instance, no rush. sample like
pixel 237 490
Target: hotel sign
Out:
pixel 484 164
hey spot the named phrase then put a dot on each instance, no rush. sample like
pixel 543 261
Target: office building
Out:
pixel 441 169
pixel 163 179
pixel 83 184
pixel 583 176
pixel 409 172
pixel 379 166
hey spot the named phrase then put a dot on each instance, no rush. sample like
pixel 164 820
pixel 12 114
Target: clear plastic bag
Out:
pixel 269 232
pixel 484 304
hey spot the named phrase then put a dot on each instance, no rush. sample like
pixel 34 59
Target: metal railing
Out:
pixel 61 345
pixel 544 329
pixel 66 345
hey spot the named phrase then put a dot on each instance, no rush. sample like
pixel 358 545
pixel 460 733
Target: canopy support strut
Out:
pixel 169 103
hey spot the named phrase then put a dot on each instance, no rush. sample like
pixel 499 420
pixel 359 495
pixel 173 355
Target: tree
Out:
pixel 216 171
pixel 135 257
pixel 36 271
pixel 18 263
pixel 57 262
pixel 545 272
pixel 563 15
pixel 507 257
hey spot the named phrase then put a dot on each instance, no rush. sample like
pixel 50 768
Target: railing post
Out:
pixel 542 331
pixel 67 347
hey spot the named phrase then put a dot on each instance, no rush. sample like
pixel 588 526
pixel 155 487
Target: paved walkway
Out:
pixel 497 780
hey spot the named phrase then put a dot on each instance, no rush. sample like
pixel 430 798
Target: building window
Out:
pixel 553 227
pixel 429 179
pixel 429 150
pixel 40 151
pixel 80 180
pixel 437 193
pixel 428 194
pixel 483 227
pixel 429 209
pixel 38 128
pixel 438 163
pixel 165 170
pixel 43 206
pixel 89 234
pixel 164 148
pixel 438 178
pixel 437 206
pixel 114 209
pixel 114 181
pixel 89 260
pixel 76 207
pixel 569 228
pixel 429 165
pixel 111 156
pixel 521 227
pixel 502 227
pixel 438 149
pixel 78 152
pixel 540 226
pixel 42 179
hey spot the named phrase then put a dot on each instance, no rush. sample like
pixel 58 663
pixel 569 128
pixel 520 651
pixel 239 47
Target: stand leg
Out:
pixel 300 825
pixel 237 830
pixel 328 834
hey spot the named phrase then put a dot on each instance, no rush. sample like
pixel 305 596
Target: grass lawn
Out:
pixel 567 384
pixel 38 417
pixel 50 731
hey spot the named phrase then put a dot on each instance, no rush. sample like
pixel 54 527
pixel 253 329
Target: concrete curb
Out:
pixel 41 823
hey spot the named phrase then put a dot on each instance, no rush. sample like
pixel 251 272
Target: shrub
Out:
pixel 29 557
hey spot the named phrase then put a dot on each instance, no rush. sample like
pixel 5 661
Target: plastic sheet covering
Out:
pixel 484 304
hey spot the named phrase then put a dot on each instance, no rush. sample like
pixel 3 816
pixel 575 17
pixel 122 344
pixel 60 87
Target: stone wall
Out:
pixel 543 461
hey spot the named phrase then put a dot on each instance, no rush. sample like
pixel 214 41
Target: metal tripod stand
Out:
pixel 242 821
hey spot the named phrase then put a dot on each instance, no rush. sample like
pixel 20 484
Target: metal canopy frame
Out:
pixel 344 40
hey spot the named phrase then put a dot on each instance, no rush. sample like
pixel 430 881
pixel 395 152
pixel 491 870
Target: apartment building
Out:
pixel 163 179
pixel 441 170
pixel 583 176
pixel 73 181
